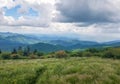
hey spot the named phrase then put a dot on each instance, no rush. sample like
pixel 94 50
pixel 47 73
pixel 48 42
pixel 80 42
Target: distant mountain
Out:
pixel 45 47
pixel 47 38
pixel 84 45
pixel 63 45
pixel 112 42
pixel 48 43
pixel 18 38
pixel 68 43
pixel 64 42
pixel 7 45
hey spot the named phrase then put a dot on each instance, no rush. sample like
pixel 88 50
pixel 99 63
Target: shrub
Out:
pixel 87 54
pixel 60 54
pixel 5 55
pixel 15 56
pixel 39 53
pixel 112 53
pixel 92 50
pixel 108 54
pixel 33 56
pixel 76 54
pixel 42 57
pixel 100 54
pixel 50 56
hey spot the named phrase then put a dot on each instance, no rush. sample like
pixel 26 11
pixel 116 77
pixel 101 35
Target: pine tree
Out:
pixel 14 51
pixel 26 51
pixel 35 52
pixel 0 51
pixel 20 50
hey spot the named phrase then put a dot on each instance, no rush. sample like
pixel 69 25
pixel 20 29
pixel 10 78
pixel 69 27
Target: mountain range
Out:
pixel 48 43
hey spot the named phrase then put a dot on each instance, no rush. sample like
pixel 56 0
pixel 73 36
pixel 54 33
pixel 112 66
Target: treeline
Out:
pixel 110 52
pixel 21 53
pixel 25 53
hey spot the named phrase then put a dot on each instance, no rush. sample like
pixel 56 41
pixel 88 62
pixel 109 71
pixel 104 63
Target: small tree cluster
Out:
pixel 61 54
pixel 21 52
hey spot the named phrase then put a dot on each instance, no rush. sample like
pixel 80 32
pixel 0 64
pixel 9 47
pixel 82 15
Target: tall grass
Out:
pixel 60 71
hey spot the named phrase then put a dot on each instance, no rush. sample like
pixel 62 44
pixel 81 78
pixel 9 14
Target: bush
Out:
pixel 112 53
pixel 76 54
pixel 50 56
pixel 93 50
pixel 39 53
pixel 100 54
pixel 87 54
pixel 108 54
pixel 33 56
pixel 5 55
pixel 15 56
pixel 61 54
pixel 42 57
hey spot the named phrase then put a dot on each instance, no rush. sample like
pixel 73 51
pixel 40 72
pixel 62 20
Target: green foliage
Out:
pixel 81 54
pixel 0 51
pixel 39 54
pixel 35 51
pixel 5 56
pixel 14 51
pixel 20 51
pixel 87 54
pixel 93 50
pixel 76 54
pixel 15 56
pixel 26 51
pixel 32 56
pixel 61 54
pixel 112 53
pixel 109 52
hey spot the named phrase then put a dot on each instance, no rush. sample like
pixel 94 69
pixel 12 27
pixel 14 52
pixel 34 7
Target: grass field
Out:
pixel 60 71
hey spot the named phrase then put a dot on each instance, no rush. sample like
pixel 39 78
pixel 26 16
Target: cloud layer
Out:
pixel 91 11
pixel 43 9
pixel 83 19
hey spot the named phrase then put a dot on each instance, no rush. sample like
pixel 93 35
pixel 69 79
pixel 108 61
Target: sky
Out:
pixel 94 20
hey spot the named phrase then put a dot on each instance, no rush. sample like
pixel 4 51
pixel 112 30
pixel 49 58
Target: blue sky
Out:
pixel 14 12
pixel 83 19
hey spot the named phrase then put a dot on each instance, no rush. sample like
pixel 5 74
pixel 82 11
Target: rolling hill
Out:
pixel 18 38
pixel 8 41
pixel 45 47
pixel 7 45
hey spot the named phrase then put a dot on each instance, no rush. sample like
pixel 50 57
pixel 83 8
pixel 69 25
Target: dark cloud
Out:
pixel 89 11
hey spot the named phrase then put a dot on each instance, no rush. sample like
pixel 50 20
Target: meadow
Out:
pixel 73 70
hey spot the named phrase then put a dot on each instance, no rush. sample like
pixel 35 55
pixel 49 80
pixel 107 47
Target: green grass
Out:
pixel 60 71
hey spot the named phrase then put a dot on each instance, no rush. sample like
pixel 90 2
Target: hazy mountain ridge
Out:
pixel 18 38
pixel 48 43
pixel 7 45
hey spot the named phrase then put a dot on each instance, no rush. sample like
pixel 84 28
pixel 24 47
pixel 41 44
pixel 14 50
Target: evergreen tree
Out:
pixel 26 51
pixel 0 51
pixel 35 52
pixel 14 51
pixel 20 50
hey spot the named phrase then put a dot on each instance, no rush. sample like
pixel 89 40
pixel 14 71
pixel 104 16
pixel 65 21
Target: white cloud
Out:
pixel 90 11
pixel 104 15
pixel 42 7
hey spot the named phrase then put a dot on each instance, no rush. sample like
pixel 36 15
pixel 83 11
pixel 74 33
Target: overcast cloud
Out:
pixel 83 19
pixel 91 11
